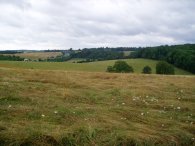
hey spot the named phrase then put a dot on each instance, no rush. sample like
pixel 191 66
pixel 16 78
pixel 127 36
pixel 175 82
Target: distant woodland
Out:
pixel 182 56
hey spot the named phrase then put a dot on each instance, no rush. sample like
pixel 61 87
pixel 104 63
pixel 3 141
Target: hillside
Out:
pixel 99 66
pixel 37 55
pixel 41 107
pixel 182 56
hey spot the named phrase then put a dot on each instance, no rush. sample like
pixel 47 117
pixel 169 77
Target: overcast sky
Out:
pixel 62 24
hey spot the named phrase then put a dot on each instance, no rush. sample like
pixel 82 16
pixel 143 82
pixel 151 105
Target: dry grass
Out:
pixel 39 107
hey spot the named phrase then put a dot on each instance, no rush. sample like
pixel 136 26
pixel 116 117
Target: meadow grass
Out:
pixel 70 108
pixel 99 66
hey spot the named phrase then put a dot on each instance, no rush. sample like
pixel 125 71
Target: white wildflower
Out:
pixel 73 112
pixel 162 112
pixel 178 98
pixel 9 106
pixel 42 115
pixel 178 108
pixel 123 103
pixel 163 125
pixel 55 112
pixel 142 114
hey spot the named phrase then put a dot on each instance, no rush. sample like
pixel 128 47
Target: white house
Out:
pixel 26 59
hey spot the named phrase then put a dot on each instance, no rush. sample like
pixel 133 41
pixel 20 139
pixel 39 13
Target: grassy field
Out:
pixel 73 108
pixel 127 53
pixel 99 66
pixel 37 55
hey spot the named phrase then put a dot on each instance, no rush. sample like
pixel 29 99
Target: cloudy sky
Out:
pixel 61 24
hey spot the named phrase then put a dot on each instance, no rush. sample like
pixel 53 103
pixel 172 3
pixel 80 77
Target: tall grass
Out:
pixel 48 107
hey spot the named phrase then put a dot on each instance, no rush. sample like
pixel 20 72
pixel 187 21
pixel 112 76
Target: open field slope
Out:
pixel 99 66
pixel 37 55
pixel 68 108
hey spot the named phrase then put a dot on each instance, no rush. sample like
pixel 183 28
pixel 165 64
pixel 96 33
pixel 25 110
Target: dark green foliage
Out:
pixel 85 61
pixel 182 56
pixel 98 54
pixel 10 52
pixel 147 70
pixel 120 66
pixel 59 59
pixel 163 67
pixel 11 58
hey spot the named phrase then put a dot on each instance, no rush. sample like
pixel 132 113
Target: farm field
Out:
pixel 69 108
pixel 37 55
pixel 99 66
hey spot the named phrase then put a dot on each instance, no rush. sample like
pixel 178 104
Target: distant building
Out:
pixel 26 59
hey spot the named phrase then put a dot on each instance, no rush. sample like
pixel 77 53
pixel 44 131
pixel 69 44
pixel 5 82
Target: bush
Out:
pixel 110 69
pixel 163 67
pixel 147 70
pixel 120 66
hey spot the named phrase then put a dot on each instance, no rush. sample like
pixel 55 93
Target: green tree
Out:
pixel 147 70
pixel 163 67
pixel 122 66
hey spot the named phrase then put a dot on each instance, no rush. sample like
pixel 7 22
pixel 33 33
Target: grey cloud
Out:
pixel 45 24
pixel 19 3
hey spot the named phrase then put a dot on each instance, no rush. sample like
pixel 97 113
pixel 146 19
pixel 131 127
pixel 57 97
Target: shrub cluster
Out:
pixel 120 67
pixel 162 67
pixel 147 70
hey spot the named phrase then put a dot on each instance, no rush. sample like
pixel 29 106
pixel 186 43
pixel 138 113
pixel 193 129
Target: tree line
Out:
pixel 98 54
pixel 11 58
pixel 182 56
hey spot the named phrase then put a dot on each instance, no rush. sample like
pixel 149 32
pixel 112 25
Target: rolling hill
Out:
pixel 37 55
pixel 99 66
